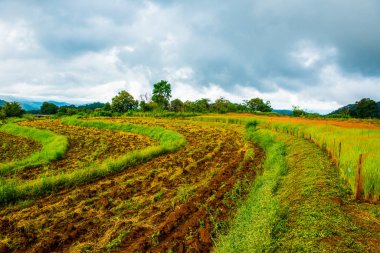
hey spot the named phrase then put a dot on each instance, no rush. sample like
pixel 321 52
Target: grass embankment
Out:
pixel 301 210
pixel 12 190
pixel 314 199
pixel 252 228
pixel 345 145
pixel 53 147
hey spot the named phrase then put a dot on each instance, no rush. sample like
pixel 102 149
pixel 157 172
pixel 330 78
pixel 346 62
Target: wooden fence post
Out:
pixel 359 182
pixel 339 150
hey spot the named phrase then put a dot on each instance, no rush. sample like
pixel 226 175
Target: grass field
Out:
pixel 350 144
pixel 223 183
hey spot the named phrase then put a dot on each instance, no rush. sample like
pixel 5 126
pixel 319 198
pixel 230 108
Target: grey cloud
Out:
pixel 244 42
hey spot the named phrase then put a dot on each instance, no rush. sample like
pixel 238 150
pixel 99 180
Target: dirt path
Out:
pixel 319 213
pixel 173 202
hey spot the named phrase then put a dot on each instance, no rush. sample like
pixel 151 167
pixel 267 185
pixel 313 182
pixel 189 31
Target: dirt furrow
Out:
pixel 176 201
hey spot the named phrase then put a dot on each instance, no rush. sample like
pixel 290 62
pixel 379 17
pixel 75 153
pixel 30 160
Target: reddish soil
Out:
pixel 177 201
pixel 352 123
pixel 13 148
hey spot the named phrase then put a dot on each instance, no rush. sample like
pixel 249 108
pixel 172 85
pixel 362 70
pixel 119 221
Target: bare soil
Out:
pixel 13 148
pixel 86 146
pixel 173 202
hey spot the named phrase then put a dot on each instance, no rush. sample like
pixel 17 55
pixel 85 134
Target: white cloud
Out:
pixel 16 39
pixel 347 87
pixel 307 54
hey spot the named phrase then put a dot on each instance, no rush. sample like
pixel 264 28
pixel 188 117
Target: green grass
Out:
pixel 54 147
pixel 251 229
pixel 12 190
pixel 295 205
pixel 169 140
pixel 344 145
pixel 117 241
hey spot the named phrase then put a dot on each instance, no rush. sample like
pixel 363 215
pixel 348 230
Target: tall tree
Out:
pixel 162 92
pixel 257 104
pixel 123 102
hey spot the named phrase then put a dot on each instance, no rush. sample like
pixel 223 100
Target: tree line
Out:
pixel 161 101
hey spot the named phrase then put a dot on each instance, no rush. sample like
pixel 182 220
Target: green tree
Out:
pixel 297 112
pixel 162 93
pixel 107 107
pixel 123 102
pixel 49 108
pixel 68 110
pixel 189 106
pixel 2 114
pixel 202 105
pixel 176 105
pixel 13 109
pixel 365 108
pixel 222 105
pixel 241 107
pixel 257 104
pixel 144 106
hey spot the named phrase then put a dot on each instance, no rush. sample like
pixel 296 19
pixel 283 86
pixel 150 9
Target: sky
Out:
pixel 318 55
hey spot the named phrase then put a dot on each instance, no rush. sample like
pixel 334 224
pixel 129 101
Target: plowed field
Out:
pixel 14 148
pixel 173 202
pixel 86 145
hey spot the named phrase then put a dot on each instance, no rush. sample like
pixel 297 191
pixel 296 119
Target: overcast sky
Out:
pixel 318 55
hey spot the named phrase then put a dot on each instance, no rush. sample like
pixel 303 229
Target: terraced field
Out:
pixel 87 145
pixel 171 185
pixel 14 148
pixel 176 201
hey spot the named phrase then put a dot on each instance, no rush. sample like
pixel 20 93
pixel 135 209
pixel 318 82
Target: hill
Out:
pixel 343 109
pixel 351 108
pixel 283 111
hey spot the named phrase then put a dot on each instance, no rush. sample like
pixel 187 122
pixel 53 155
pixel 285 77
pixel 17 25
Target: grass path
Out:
pixel 318 212
pixel 300 204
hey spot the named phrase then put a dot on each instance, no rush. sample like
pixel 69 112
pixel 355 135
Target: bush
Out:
pixel 12 109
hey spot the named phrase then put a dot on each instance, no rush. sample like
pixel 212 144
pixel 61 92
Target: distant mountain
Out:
pixel 28 104
pixel 2 102
pixel 92 106
pixel 283 111
pixel 36 105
